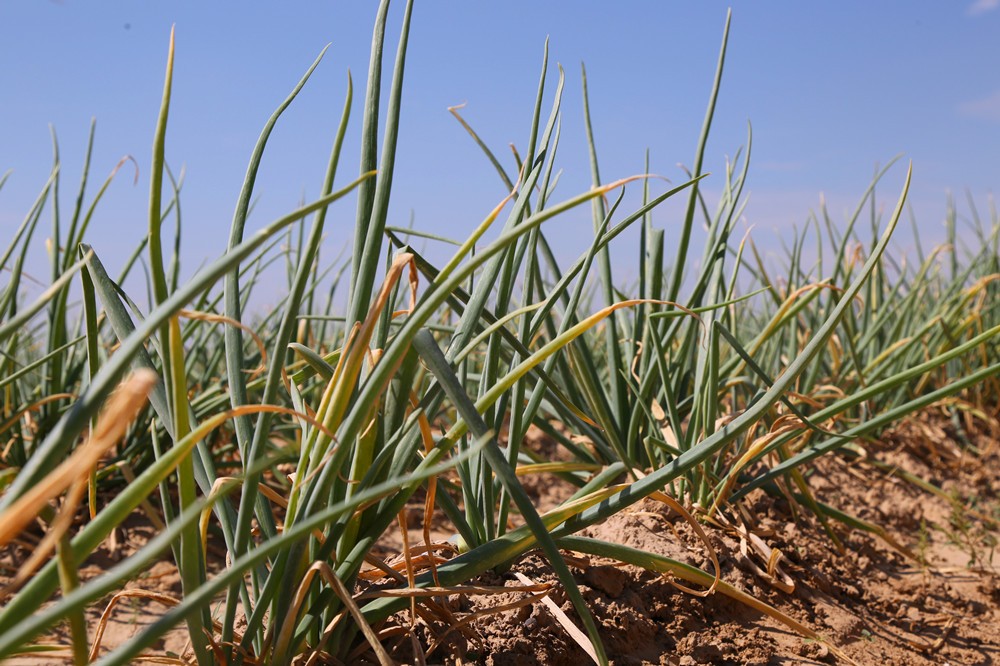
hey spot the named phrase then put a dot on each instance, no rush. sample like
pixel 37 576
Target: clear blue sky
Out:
pixel 832 89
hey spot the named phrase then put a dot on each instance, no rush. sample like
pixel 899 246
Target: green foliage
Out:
pixel 719 377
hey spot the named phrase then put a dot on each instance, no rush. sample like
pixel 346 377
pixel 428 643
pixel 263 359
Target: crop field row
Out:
pixel 402 452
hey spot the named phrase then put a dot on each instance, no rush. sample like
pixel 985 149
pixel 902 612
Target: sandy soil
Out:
pixel 932 599
pixel 140 603
pixel 937 604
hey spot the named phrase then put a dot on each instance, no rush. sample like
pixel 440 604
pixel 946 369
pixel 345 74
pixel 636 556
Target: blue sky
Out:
pixel 832 90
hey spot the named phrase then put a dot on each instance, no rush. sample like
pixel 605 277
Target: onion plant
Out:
pixel 296 440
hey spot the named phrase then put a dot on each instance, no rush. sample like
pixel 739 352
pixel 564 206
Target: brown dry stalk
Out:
pixel 164 599
pixel 574 632
pixel 382 635
pixel 419 563
pixel 427 437
pixel 220 319
pixel 35 406
pixel 772 557
pixel 696 526
pixel 63 521
pixel 486 612
pixel 752 447
pixel 121 409
pixel 664 498
pixel 468 590
pixel 326 573
pixel 408 560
